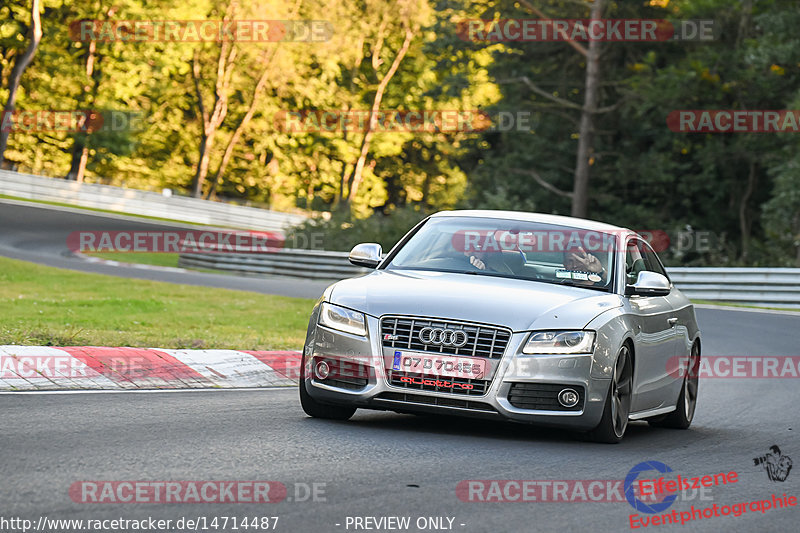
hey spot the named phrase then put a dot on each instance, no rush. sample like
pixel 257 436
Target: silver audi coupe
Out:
pixel 532 318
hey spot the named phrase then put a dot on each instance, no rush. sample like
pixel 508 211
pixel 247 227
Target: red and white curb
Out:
pixel 91 367
pixel 141 266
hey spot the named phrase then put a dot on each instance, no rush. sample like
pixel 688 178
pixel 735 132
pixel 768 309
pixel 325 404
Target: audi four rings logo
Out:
pixel 444 337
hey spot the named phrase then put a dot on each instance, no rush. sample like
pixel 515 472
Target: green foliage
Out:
pixel 340 232
pixel 742 188
pixel 782 212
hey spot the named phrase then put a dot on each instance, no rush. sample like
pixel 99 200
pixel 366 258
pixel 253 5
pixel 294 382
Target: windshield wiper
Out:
pixel 570 284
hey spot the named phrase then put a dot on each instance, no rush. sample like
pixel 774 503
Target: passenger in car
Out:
pixel 579 260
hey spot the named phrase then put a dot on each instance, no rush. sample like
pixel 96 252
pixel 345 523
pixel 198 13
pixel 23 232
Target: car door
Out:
pixel 654 331
pixel 670 380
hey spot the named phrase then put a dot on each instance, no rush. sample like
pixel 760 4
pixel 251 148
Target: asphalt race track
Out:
pixel 38 233
pixel 379 464
pixel 386 464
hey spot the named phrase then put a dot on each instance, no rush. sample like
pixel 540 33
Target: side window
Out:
pixel 651 261
pixel 634 263
pixel 640 257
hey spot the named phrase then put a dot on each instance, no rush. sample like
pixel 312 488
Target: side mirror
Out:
pixel 649 284
pixel 367 254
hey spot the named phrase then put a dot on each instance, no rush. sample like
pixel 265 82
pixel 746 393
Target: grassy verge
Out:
pixel 144 258
pixel 730 304
pixel 49 306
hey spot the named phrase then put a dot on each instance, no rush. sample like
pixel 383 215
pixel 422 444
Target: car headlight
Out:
pixel 559 342
pixel 343 319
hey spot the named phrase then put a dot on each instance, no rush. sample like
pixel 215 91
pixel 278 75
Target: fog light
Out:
pixel 322 370
pixel 568 398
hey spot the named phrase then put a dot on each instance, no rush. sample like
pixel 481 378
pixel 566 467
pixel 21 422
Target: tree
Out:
pixel 212 112
pixel 586 131
pixel 376 105
pixel 21 63
pixel 267 71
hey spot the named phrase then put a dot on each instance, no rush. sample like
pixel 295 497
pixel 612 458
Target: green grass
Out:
pixel 98 210
pixel 49 306
pixel 731 304
pixel 144 258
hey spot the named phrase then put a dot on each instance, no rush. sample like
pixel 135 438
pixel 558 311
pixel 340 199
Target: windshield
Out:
pixel 513 249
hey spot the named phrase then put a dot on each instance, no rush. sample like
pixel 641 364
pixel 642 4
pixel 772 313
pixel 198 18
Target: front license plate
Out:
pixel 451 366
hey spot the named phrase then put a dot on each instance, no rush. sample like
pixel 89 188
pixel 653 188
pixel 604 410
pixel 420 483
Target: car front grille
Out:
pixel 461 386
pixel 482 340
pixel 542 396
pixel 436 401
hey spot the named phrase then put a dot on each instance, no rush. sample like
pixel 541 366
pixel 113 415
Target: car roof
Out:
pixel 557 220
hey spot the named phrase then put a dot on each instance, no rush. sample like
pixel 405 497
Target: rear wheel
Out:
pixel 614 422
pixel 682 416
pixel 318 409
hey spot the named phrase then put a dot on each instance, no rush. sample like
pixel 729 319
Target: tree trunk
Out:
pixel 77 167
pixel 80 152
pixel 744 219
pixel 376 104
pixel 213 120
pixel 206 143
pixel 426 190
pixel 341 199
pixel 580 191
pixel 340 202
pixel 20 65
pixel 226 158
pixel 796 228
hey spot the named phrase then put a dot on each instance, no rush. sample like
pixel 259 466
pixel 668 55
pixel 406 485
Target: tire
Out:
pixel 682 416
pixel 614 422
pixel 316 409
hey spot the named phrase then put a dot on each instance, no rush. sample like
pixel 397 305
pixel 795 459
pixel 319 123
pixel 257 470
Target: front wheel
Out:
pixel 614 422
pixel 682 416
pixel 316 409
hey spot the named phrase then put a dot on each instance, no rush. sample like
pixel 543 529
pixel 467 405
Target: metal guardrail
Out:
pixel 308 264
pixel 773 287
pixel 145 203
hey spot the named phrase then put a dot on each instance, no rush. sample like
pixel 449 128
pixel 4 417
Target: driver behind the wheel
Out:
pixel 502 254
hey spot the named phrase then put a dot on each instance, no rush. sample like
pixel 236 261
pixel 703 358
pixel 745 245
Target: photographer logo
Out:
pixel 775 463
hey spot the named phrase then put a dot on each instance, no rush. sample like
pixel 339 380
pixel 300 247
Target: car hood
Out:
pixel 518 304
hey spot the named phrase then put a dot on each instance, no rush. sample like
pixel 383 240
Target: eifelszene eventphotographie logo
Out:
pixel 630 488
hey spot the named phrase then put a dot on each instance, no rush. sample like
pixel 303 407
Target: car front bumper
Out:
pixel 364 357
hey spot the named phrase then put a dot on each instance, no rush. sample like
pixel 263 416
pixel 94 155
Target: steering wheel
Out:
pixel 475 267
